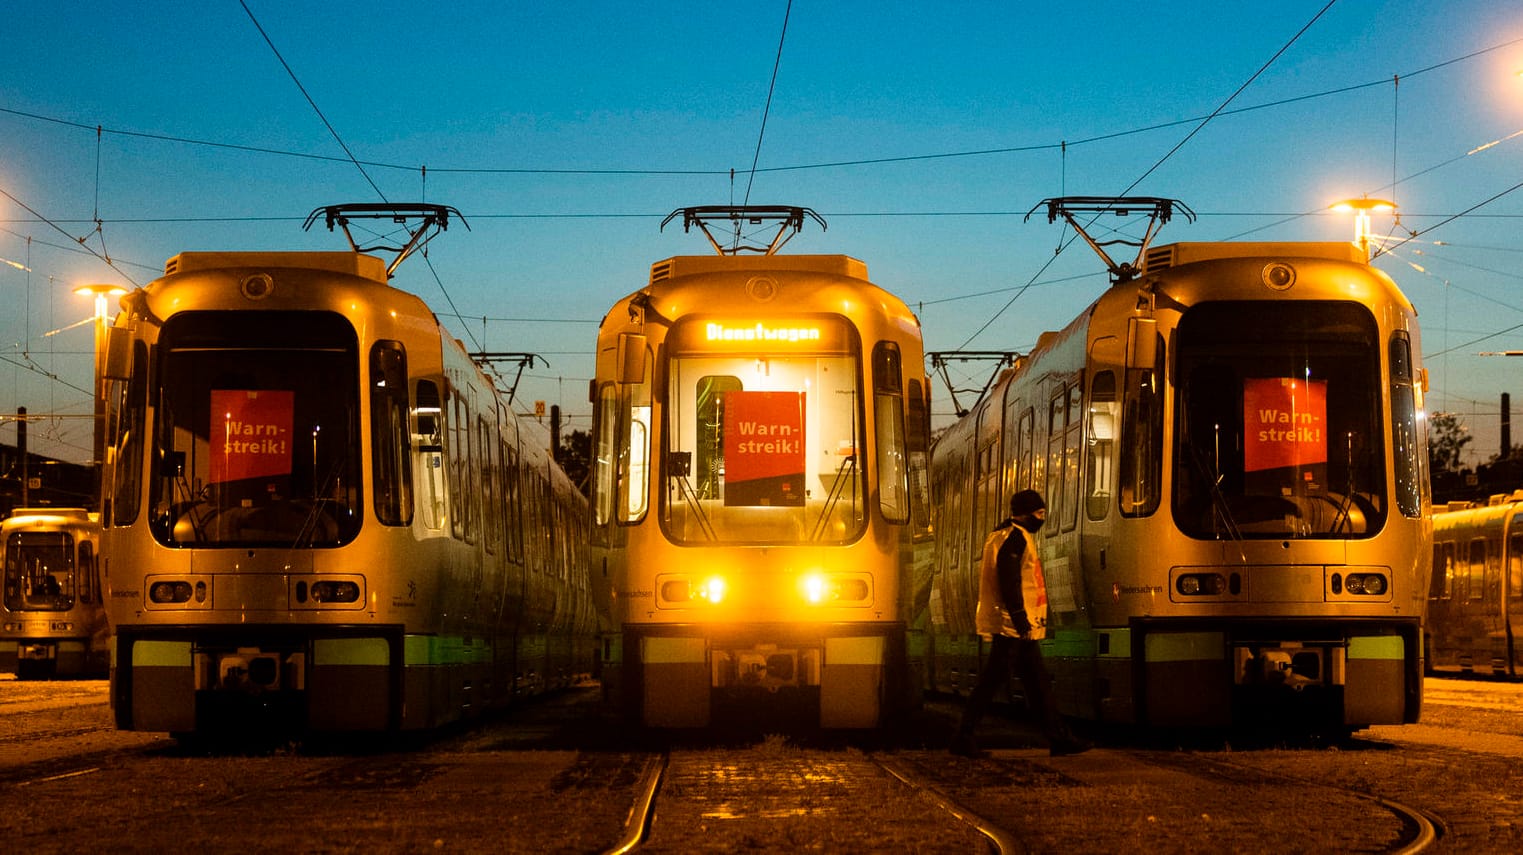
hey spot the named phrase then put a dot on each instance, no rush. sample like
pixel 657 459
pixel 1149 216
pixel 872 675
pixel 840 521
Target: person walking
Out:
pixel 1012 616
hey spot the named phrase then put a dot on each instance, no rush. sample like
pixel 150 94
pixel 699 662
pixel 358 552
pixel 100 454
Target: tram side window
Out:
pixel 888 412
pixel 1057 411
pixel 1407 451
pixel 1101 473
pixel 1475 571
pixel 130 409
pixel 87 580
pixel 512 499
pixel 621 469
pixel 1515 568
pixel 389 434
pixel 1440 586
pixel 919 428
pixel 1141 465
pixel 605 454
pixel 428 443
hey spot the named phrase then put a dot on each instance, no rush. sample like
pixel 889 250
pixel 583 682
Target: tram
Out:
pixel 319 514
pixel 759 487
pixel 1475 599
pixel 52 619
pixel 1231 445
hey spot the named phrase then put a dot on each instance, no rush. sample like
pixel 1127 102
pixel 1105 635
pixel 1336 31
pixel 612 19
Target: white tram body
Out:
pixel 318 512
pixel 52 620
pixel 759 491
pixel 1475 599
pixel 1232 450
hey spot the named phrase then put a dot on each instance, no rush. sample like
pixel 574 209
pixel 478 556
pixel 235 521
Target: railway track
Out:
pixel 846 808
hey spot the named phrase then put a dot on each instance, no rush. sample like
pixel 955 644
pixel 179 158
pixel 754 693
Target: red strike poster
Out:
pixel 1285 423
pixel 250 434
pixel 764 448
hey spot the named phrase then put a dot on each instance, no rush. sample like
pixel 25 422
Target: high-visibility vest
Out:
pixel 993 617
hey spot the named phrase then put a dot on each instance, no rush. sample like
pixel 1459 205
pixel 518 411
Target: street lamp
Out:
pixel 1362 208
pixel 100 292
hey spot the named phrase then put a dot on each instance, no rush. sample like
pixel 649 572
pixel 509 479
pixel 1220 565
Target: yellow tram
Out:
pixel 760 487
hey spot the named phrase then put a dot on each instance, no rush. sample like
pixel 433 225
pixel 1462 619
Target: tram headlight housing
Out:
pixel 822 589
pixel 1367 584
pixel 169 592
pixel 335 591
pixel 684 590
pixel 1201 584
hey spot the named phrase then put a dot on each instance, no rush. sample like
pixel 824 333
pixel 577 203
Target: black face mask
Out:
pixel 1029 523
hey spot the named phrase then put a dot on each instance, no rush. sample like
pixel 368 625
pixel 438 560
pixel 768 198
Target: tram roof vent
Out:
pixel 660 270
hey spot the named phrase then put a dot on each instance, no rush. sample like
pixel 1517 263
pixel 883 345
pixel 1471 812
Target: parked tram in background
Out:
pixel 1231 445
pixel 52 620
pixel 1475 600
pixel 319 514
pixel 760 487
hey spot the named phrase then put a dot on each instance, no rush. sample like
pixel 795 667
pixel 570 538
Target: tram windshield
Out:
pixel 256 441
pixel 1278 421
pixel 764 445
pixel 39 571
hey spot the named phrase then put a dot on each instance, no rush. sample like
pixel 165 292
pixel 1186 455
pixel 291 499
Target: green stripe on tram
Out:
pixel 1376 647
pixel 425 650
pixel 156 654
pixel 351 651
pixel 1184 646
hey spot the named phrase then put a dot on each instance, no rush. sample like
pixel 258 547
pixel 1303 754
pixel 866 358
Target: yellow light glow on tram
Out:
pixel 815 588
pixel 713 590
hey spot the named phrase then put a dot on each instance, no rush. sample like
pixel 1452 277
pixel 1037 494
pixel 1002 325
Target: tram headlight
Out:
pixel 832 588
pixel 681 590
pixel 1368 584
pixel 169 592
pixel 334 591
pixel 1201 584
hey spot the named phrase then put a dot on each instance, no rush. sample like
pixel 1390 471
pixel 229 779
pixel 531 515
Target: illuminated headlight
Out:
pixel 1368 584
pixel 61 626
pixel 330 591
pixel 14 627
pixel 169 592
pixel 1200 584
pixel 711 590
pixel 821 588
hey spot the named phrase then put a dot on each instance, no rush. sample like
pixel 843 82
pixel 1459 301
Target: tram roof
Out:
pixel 689 265
pixel 1178 254
pixel 352 263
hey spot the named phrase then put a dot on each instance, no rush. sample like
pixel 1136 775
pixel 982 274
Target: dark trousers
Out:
pixel 1025 657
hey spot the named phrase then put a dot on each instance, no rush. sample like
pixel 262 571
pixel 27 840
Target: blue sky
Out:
pixel 922 133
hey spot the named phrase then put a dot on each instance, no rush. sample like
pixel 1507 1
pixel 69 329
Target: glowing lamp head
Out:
pixel 713 590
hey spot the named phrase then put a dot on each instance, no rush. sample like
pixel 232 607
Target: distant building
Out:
pixel 52 483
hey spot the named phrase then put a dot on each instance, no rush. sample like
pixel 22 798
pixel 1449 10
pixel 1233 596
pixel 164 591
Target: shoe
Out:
pixel 1068 745
pixel 964 746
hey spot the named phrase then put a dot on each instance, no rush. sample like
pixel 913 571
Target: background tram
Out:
pixel 318 512
pixel 1231 447
pixel 759 489
pixel 1475 600
pixel 52 620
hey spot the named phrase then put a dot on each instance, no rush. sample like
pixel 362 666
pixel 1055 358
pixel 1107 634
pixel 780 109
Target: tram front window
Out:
pixel 763 448
pixel 256 440
pixel 1278 421
pixel 39 571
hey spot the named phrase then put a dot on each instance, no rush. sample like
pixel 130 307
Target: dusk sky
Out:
pixel 921 132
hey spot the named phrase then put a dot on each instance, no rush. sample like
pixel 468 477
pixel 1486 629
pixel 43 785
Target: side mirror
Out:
pixel 118 353
pixel 631 358
pixel 1142 344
